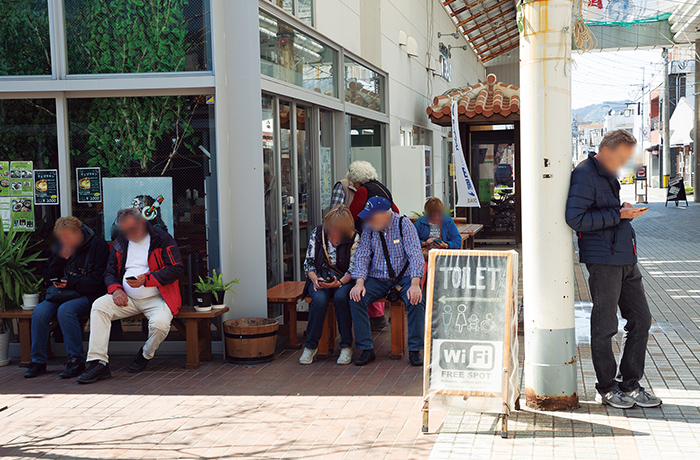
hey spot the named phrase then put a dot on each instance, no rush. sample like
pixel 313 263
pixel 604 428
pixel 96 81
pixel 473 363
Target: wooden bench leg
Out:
pixel 205 339
pixel 191 335
pixel 326 344
pixel 291 309
pixel 471 242
pixel 25 341
pixel 397 330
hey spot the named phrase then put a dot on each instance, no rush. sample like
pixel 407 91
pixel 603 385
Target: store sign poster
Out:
pixel 46 187
pixel 22 178
pixel 4 178
pixel 22 213
pixel 89 185
pixel 5 211
pixel 151 196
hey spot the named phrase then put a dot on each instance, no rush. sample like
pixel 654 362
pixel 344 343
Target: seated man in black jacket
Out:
pixel 76 273
pixel 607 246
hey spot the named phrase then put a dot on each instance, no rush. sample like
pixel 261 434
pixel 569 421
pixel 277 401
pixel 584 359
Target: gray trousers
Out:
pixel 613 286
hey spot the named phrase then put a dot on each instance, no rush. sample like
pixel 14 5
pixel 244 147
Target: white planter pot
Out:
pixel 5 348
pixel 30 301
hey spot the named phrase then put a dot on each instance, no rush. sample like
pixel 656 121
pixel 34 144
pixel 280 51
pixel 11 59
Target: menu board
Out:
pixel 22 213
pixel 5 208
pixel 45 187
pixel 22 178
pixel 89 185
pixel 4 178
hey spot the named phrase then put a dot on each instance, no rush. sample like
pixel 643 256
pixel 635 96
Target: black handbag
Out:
pixel 57 295
pixel 328 271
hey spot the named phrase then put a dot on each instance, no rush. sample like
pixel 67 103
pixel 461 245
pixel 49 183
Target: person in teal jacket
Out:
pixel 437 230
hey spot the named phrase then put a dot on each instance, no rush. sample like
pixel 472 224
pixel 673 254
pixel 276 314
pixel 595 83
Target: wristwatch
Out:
pixel 341 283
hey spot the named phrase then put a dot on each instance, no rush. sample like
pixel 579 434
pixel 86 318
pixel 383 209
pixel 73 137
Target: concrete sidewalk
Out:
pixel 669 256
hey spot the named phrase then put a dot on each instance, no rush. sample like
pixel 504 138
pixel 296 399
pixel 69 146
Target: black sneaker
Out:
pixel 96 371
pixel 73 369
pixel 139 363
pixel 366 357
pixel 35 370
pixel 415 358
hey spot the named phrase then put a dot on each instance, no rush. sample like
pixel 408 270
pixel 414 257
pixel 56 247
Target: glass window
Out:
pixel 151 152
pixel 28 133
pixel 366 143
pixel 137 36
pixel 293 57
pixel 24 38
pixel 305 11
pixel 302 9
pixel 363 87
pixel 272 205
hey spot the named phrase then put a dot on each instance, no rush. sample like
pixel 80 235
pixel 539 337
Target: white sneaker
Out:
pixel 345 357
pixel 307 357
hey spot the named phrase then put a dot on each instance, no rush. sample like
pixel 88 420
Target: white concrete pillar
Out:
pixel 236 48
pixel 548 278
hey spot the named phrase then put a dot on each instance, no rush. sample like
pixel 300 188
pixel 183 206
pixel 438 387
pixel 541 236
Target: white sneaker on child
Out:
pixel 345 356
pixel 307 357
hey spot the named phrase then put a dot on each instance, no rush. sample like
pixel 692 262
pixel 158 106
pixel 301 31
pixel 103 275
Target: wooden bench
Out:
pixel 468 232
pixel 193 325
pixel 289 293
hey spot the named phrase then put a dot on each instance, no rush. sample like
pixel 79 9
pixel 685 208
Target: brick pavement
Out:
pixel 276 410
pixel 669 257
pixel 284 410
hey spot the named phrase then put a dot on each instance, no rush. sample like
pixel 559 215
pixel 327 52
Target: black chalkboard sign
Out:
pixel 676 191
pixel 471 340
pixel 470 311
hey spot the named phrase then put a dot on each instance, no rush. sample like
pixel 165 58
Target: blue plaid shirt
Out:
pixel 338 196
pixel 370 261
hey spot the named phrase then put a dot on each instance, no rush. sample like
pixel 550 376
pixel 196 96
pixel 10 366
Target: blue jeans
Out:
pixel 415 314
pixel 69 314
pixel 317 315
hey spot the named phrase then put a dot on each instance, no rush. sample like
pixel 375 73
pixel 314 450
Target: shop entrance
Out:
pixel 297 155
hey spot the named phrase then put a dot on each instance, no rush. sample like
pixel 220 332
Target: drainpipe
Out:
pixel 545 136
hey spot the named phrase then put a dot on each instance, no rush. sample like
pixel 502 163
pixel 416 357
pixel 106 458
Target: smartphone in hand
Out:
pixel 131 278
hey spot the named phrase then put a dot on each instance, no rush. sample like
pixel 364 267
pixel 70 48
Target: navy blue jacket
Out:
pixel 593 211
pixel 449 232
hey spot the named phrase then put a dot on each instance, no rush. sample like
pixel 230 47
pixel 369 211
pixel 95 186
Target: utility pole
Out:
pixel 641 124
pixel 696 146
pixel 548 275
pixel 665 117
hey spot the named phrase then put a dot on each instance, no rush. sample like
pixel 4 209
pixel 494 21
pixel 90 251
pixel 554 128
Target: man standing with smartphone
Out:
pixel 608 247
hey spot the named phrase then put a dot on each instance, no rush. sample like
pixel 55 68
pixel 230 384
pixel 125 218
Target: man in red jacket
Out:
pixel 141 277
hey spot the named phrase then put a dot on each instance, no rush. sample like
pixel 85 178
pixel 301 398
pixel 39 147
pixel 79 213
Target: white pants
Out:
pixel 104 311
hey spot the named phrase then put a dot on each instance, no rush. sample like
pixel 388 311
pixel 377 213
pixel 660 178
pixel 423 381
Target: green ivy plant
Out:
pixel 129 36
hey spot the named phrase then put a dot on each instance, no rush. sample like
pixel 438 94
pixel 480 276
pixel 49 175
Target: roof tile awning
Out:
pixel 490 99
pixel 490 26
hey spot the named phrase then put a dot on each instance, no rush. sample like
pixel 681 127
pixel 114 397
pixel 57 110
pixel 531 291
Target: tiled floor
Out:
pixel 284 410
pixel 276 410
pixel 669 256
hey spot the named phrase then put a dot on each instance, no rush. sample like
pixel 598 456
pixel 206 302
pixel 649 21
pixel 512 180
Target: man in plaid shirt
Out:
pixel 387 232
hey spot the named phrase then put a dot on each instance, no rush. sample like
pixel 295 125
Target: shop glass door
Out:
pixel 292 186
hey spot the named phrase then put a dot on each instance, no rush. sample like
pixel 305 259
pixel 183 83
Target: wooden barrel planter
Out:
pixel 250 340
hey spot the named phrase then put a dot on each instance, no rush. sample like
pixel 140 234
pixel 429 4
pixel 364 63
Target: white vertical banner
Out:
pixel 466 193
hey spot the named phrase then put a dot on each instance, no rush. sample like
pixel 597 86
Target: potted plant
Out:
pixel 16 272
pixel 31 293
pixel 204 294
pixel 221 289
